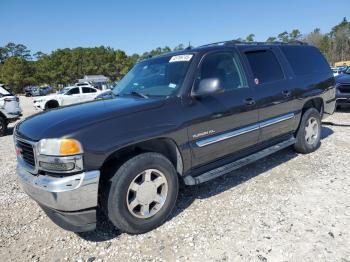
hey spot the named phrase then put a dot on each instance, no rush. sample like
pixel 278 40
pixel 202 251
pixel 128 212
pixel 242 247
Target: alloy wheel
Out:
pixel 147 193
pixel 311 131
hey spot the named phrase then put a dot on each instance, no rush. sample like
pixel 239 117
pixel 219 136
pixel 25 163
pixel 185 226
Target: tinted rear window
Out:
pixel 88 90
pixel 265 66
pixel 305 60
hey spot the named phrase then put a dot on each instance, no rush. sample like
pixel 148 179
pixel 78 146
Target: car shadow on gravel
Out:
pixel 106 231
pixel 9 131
pixel 219 185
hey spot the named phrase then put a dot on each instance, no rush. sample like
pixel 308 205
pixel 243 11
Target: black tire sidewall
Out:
pixel 3 126
pixel 301 145
pixel 117 208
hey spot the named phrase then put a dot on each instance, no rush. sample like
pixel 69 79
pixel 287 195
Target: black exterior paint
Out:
pixel 106 126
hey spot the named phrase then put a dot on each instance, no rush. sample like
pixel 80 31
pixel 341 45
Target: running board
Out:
pixel 189 180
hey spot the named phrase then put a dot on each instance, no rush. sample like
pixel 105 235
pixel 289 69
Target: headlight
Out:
pixel 59 147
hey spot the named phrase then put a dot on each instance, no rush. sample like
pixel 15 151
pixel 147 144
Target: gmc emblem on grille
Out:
pixel 19 151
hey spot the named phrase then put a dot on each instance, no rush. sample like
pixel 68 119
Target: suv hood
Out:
pixel 62 122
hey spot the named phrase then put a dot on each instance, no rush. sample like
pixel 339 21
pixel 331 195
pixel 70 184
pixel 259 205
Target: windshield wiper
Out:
pixel 136 93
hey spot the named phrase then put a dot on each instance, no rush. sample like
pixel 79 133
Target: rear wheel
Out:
pixel 142 193
pixel 308 136
pixel 3 126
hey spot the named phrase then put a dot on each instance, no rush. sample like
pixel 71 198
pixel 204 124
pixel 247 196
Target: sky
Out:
pixel 139 26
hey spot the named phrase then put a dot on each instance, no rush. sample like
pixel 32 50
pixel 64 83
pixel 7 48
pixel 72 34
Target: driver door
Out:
pixel 226 121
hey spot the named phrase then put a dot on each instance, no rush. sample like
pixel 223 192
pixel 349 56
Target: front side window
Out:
pixel 226 68
pixel 265 66
pixel 73 91
pixel 161 76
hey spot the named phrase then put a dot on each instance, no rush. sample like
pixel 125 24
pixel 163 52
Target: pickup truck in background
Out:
pixel 192 115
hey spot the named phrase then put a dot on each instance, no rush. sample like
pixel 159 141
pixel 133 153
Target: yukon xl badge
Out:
pixel 205 133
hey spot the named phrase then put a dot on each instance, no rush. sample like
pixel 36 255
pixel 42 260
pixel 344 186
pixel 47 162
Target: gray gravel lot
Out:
pixel 286 207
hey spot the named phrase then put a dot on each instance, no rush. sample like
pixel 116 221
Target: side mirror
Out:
pixel 208 86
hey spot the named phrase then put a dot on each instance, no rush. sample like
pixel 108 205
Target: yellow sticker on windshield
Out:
pixel 180 58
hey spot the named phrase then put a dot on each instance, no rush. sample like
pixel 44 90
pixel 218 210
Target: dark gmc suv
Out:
pixel 192 115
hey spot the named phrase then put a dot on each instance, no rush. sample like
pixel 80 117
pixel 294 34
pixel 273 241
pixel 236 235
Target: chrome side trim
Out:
pixel 218 138
pixel 244 130
pixel 276 120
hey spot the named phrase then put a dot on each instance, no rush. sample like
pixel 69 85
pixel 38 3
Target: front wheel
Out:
pixel 308 136
pixel 142 193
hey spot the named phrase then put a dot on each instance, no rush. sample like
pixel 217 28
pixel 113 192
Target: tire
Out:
pixel 308 136
pixel 120 195
pixel 3 126
pixel 51 105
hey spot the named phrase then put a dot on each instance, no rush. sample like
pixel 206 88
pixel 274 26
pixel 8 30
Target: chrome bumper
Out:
pixel 68 193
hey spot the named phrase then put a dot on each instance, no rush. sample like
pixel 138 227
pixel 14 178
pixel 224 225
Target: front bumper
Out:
pixel 70 201
pixel 38 106
pixel 13 116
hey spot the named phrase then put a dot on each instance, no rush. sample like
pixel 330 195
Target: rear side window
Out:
pixel 265 66
pixel 305 60
pixel 88 90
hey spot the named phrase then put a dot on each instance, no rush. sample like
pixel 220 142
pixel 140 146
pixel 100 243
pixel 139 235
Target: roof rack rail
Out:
pixel 238 42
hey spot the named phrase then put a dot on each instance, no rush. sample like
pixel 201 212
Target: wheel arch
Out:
pixel 316 102
pixel 164 146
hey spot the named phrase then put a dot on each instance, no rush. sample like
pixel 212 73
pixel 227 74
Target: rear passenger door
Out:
pixel 88 94
pixel 71 97
pixel 274 92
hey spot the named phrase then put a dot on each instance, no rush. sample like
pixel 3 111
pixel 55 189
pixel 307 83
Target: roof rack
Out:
pixel 238 42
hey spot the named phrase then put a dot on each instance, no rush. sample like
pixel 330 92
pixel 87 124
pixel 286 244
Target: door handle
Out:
pixel 249 101
pixel 286 93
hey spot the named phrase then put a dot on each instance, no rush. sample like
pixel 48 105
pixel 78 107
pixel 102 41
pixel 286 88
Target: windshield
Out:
pixel 4 92
pixel 64 90
pixel 162 76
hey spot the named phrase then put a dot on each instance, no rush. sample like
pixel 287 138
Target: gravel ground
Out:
pixel 286 207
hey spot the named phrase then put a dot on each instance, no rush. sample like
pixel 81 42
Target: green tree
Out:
pixel 179 47
pixel 271 39
pixel 17 73
pixel 13 50
pixel 250 38
pixel 283 37
pixel 295 35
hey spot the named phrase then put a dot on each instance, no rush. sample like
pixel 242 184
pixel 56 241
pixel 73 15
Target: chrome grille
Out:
pixel 27 152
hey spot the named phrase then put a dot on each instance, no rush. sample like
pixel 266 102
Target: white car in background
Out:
pixel 67 96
